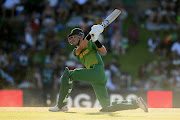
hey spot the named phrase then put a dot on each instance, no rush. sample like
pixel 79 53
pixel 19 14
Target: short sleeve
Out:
pixel 94 45
pixel 74 52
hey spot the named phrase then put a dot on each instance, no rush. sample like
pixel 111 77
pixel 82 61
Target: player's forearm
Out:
pixel 100 47
pixel 83 44
pixel 102 50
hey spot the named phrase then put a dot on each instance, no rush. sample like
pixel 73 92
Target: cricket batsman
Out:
pixel 87 52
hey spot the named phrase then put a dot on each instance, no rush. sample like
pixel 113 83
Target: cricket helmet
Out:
pixel 75 31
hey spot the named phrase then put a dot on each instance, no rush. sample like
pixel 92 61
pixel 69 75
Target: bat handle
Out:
pixel 105 23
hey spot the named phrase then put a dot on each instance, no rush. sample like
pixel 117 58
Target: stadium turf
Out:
pixel 42 113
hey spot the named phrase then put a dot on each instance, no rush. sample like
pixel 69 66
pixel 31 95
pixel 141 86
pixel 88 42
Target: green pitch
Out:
pixel 42 113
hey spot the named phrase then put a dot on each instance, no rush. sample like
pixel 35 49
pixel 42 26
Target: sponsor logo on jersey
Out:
pixel 84 53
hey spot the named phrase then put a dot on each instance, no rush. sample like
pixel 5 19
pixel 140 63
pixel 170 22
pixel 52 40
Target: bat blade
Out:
pixel 111 18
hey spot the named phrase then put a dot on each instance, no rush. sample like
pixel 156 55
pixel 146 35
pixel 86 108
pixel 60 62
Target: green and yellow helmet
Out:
pixel 75 31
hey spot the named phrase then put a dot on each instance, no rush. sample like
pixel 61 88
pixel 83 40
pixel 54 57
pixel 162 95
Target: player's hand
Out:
pixel 95 31
pixel 98 28
pixel 94 35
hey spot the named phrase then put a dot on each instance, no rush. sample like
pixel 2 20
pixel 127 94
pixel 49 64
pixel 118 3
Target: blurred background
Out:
pixel 143 44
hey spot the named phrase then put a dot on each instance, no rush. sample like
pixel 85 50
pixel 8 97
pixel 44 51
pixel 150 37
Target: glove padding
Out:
pixel 99 28
pixel 95 31
pixel 94 35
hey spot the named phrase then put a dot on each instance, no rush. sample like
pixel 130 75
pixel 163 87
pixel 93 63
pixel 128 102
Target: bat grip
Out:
pixel 105 23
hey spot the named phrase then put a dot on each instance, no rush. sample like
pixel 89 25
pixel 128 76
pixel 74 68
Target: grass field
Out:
pixel 42 113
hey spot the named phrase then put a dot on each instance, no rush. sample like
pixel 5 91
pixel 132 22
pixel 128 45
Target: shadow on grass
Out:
pixel 113 114
pixel 70 112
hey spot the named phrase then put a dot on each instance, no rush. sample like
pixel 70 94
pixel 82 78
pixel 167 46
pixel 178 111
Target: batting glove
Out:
pixel 94 35
pixel 98 28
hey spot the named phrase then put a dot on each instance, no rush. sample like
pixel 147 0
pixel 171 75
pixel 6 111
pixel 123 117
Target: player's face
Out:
pixel 74 39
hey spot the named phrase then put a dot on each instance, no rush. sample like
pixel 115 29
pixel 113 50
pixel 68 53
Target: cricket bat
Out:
pixel 111 18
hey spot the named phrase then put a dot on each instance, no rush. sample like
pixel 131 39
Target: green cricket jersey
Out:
pixel 89 55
